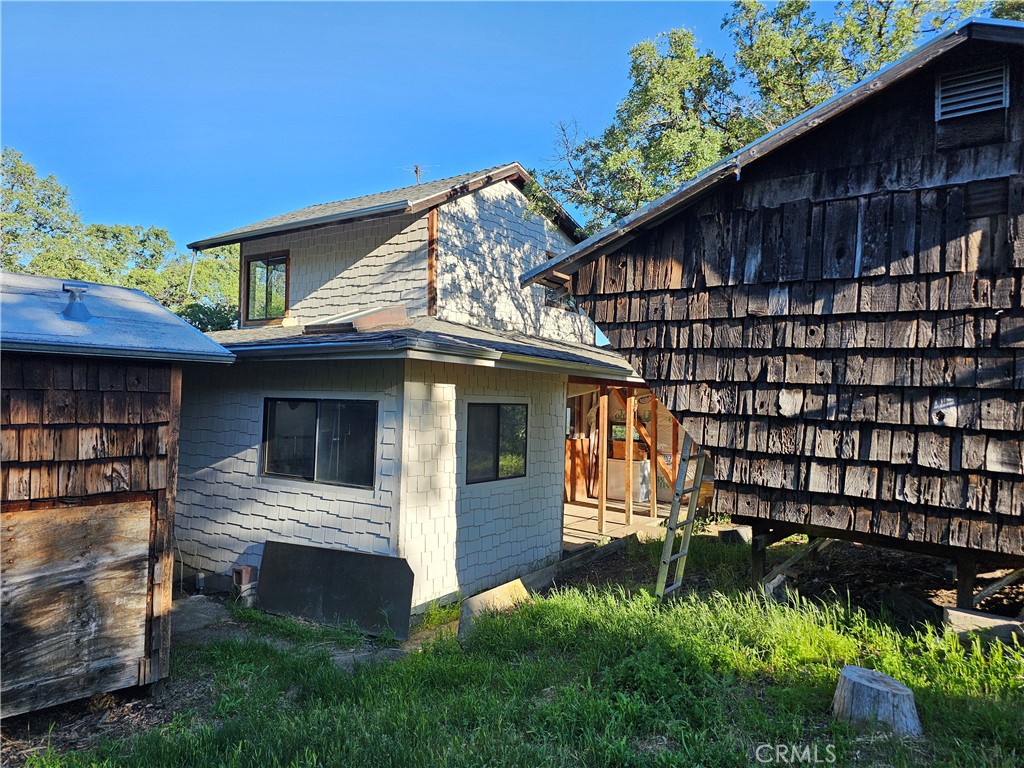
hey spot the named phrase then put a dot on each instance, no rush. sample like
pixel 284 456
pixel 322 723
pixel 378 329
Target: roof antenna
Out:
pixel 416 170
pixel 76 309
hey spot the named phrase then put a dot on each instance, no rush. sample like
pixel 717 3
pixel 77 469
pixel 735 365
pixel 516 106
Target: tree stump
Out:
pixel 866 698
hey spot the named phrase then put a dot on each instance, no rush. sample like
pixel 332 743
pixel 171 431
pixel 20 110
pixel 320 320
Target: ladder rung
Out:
pixel 677 555
pixel 671 588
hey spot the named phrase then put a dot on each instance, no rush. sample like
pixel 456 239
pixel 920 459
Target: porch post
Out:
pixel 602 457
pixel 630 428
pixel 653 449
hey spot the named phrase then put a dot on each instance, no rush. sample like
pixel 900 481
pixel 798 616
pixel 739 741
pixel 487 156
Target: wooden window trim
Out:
pixel 243 279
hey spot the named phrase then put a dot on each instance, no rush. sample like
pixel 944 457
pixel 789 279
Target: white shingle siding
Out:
pixel 486 241
pixel 226 509
pixel 346 267
pixel 459 537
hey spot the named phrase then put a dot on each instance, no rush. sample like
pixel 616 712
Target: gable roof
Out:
pixel 629 227
pixel 431 337
pixel 405 200
pixel 119 322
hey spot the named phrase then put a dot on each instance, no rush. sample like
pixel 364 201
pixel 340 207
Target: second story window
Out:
pixel 266 287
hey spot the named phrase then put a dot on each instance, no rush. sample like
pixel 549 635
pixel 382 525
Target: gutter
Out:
pixel 90 351
pixel 614 236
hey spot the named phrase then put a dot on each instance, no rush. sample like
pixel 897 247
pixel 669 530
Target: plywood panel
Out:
pixel 74 601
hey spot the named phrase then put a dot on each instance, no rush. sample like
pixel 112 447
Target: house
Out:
pixel 91 382
pixel 835 311
pixel 396 393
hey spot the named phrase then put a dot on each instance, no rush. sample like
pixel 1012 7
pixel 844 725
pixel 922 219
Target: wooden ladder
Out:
pixel 677 529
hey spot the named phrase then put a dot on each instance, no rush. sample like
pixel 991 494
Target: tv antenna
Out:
pixel 417 170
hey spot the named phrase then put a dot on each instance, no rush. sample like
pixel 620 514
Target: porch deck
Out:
pixel 579 526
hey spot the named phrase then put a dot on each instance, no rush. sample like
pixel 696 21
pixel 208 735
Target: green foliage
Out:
pixel 1008 9
pixel 438 615
pixel 43 234
pixel 687 108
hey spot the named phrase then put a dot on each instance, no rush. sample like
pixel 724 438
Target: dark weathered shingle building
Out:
pixel 835 312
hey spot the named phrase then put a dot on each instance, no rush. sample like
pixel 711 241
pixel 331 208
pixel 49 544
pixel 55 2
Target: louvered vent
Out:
pixel 965 93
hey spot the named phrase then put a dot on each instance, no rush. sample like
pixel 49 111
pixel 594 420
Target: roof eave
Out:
pixel 48 348
pixel 389 209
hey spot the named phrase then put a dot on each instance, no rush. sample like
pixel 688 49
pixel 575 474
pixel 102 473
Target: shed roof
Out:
pixel 426 337
pixel 121 322
pixel 629 227
pixel 405 200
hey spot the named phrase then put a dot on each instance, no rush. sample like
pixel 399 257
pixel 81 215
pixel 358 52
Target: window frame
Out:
pixel 270 256
pixel 267 400
pixel 497 405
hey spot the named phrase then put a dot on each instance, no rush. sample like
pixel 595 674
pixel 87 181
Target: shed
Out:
pixel 91 391
pixel 835 311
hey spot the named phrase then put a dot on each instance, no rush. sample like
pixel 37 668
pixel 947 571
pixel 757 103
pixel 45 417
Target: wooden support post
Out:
pixel 653 450
pixel 675 450
pixel 966 570
pixel 602 457
pixel 630 428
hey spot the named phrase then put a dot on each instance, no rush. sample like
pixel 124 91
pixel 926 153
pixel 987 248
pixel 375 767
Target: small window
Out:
pixel 965 93
pixel 266 285
pixel 326 441
pixel 496 442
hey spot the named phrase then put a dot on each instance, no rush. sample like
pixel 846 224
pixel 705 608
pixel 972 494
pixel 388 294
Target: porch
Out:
pixel 580 524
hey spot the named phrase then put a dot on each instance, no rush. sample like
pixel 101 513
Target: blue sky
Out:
pixel 200 117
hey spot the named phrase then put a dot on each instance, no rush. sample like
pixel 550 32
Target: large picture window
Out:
pixel 266 287
pixel 327 441
pixel 496 442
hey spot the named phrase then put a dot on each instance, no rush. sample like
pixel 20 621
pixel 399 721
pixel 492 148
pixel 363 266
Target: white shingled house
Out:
pixel 395 391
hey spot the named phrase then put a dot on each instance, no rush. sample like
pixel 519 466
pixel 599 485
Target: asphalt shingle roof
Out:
pixel 424 333
pixel 403 200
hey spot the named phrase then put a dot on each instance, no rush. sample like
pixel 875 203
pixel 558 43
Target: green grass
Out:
pixel 439 615
pixel 597 678
pixel 294 630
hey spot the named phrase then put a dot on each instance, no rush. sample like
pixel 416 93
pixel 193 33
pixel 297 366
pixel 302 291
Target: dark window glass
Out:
pixel 267 285
pixel 290 438
pixel 329 441
pixel 346 442
pixel 495 442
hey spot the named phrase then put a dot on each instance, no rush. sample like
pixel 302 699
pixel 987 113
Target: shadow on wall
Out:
pixel 482 255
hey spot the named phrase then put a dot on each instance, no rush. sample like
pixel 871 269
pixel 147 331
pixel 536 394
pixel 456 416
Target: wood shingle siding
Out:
pixel 843 325
pixel 89 449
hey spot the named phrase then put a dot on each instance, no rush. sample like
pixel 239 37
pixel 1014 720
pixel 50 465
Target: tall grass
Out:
pixel 597 678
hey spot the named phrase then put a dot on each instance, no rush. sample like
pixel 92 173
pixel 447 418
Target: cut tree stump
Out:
pixel 865 697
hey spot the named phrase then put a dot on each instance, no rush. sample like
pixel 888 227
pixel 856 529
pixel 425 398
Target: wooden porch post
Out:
pixel 602 457
pixel 630 427
pixel 654 456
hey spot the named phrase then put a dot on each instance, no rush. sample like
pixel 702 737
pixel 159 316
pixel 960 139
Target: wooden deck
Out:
pixel 579 526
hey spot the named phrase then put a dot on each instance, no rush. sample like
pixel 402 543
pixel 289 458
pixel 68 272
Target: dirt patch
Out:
pixel 84 724
pixel 868 573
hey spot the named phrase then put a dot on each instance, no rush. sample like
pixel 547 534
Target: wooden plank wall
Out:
pixel 843 327
pixel 83 440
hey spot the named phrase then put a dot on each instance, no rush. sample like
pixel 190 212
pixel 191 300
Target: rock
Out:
pixel 866 698
pixel 501 598
pixel 740 534
pixel 987 625
pixel 778 589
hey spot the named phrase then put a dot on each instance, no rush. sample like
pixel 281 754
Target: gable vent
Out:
pixel 965 93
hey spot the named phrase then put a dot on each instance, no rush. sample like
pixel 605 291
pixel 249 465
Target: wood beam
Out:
pixel 669 475
pixel 628 453
pixel 654 455
pixel 602 457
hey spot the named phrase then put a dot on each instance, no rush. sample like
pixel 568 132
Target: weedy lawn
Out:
pixel 596 678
